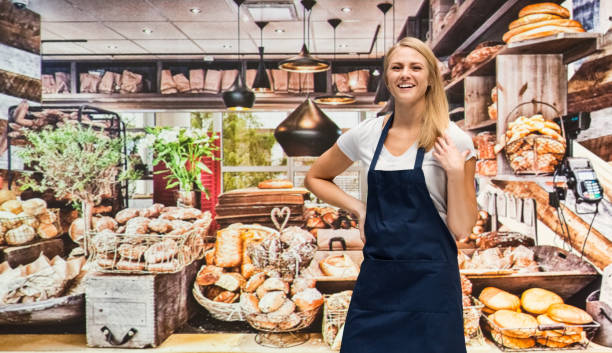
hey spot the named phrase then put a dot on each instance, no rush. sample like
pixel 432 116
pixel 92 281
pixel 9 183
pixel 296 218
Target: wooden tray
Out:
pixel 565 274
pixel 329 284
pixel 60 310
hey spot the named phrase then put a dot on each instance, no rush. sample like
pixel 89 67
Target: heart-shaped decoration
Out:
pixel 280 214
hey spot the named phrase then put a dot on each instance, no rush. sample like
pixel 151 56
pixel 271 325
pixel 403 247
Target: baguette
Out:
pixel 544 7
pixel 544 32
pixel 529 19
pixel 275 184
pixel 531 26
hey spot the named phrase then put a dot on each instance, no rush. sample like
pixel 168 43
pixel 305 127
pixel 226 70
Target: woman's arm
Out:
pixel 462 210
pixel 319 181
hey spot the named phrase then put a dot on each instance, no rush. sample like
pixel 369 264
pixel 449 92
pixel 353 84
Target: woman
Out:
pixel 408 296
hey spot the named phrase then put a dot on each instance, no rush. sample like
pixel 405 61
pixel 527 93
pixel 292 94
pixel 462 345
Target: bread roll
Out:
pixel 275 184
pixel 569 314
pixel 228 248
pixel 550 343
pixel 34 207
pixel 544 32
pixel 271 301
pixel 338 266
pixel 254 282
pixel 513 342
pixel 104 223
pixel 517 325
pixel 125 215
pixel 47 217
pixel 498 299
pixel 162 267
pixel 249 303
pixel 528 27
pixel 47 231
pixel 302 283
pixel 544 320
pixel 263 322
pixel 208 275
pixel 130 265
pixel 308 299
pixel 161 251
pixel 159 226
pixel 272 284
pixel 230 281
pixel 13 206
pixel 537 300
pixel 282 312
pixel 226 297
pixel 533 18
pixel 546 8
pixel 131 252
pixel 291 321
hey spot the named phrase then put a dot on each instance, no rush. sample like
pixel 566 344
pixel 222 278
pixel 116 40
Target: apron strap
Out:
pixel 418 163
pixel 381 142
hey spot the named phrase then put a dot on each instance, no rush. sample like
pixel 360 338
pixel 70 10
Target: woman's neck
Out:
pixel 409 115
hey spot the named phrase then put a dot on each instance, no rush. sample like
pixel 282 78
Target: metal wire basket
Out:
pixel 293 322
pixel 110 252
pixel 334 317
pixel 544 337
pixel 471 322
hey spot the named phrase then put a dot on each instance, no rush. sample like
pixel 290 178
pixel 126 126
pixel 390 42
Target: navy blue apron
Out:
pixel 408 295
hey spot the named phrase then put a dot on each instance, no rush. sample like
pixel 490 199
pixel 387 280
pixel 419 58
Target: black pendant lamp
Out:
pixel 336 98
pixel 382 92
pixel 307 131
pixel 303 62
pixel 239 96
pixel 261 82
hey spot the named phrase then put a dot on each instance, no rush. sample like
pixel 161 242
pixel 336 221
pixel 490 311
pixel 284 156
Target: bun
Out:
pixel 545 320
pixel 162 251
pixel 528 27
pixel 544 7
pixel 254 282
pixel 127 265
pixel 169 266
pixel 271 301
pixel 47 231
pixel 249 303
pixel 338 266
pixel 290 322
pixel 275 184
pixel 529 19
pixel 208 275
pixel 131 252
pixel 544 32
pixel 537 300
pixel 230 281
pixel 302 283
pixel 308 299
pixel 159 225
pixel 550 343
pixel 515 324
pixel 262 321
pixel 105 223
pixel 34 207
pixel 125 215
pixel 281 313
pixel 497 299
pixel 226 297
pixel 228 248
pixel 513 342
pixel 569 314
pixel 48 217
pixel 273 284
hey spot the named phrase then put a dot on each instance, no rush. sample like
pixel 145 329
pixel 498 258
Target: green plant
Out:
pixel 181 150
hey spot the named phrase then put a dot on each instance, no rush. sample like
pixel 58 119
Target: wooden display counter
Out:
pixel 217 343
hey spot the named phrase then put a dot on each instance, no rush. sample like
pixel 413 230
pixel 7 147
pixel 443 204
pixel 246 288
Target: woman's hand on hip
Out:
pixel 451 160
pixel 361 213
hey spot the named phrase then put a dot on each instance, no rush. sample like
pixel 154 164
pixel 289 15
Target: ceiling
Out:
pixel 116 28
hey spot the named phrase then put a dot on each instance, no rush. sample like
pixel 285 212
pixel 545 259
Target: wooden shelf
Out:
pixel 454 90
pixel 183 101
pixel 572 46
pixel 481 125
pixel 524 178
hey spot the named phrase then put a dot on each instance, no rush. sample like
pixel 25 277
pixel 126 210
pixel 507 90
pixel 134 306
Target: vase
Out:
pixel 188 199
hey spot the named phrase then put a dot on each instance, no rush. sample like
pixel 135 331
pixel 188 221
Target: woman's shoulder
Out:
pixel 458 136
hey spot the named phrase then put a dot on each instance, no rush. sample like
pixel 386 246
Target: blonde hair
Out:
pixel 436 118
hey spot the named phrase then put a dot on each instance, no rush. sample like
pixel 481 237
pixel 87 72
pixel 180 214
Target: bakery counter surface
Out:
pixel 209 343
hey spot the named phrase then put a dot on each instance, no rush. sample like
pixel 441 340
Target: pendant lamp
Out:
pixel 336 98
pixel 304 62
pixel 239 96
pixel 382 92
pixel 261 82
pixel 307 131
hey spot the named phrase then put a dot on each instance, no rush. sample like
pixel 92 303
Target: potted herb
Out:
pixel 181 150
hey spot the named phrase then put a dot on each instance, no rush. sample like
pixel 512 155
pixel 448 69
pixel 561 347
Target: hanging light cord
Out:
pixel 238 32
pixel 304 25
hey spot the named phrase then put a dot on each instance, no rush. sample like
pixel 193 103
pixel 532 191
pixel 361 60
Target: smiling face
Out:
pixel 407 75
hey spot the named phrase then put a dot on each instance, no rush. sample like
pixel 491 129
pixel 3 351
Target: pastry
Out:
pixel 498 299
pixel 537 300
pixel 208 275
pixel 525 28
pixel 271 301
pixel 515 324
pixel 228 248
pixel 168 266
pixel 272 284
pixel 47 231
pixel 47 217
pixel 254 282
pixel 262 322
pixel 249 303
pixel 105 223
pixel 544 8
pixel 226 297
pixel 131 252
pixel 282 312
pixel 290 322
pixel 127 265
pixel 230 281
pixel 568 314
pixel 34 207
pixel 159 225
pixel 161 251
pixel 308 299
pixel 209 257
pixel 13 206
pixel 302 283
pixel 125 215
pixel 339 301
pixel 137 225
pixel 211 292
pixel 338 266
pixel 20 235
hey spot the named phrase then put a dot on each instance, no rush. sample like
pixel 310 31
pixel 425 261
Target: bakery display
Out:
pixel 519 259
pixel 22 222
pixel 541 20
pixel 534 145
pixel 339 265
pixel 150 240
pixel 328 218
pixel 547 322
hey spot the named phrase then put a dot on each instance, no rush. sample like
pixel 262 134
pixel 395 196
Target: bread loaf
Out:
pixel 271 301
pixel 275 184
pixel 228 248
pixel 249 303
pixel 498 299
pixel 546 8
pixel 528 27
pixel 544 32
pixel 34 207
pixel 338 266
pixel 537 300
pixel 513 342
pixel 254 282
pixel 208 275
pixel 529 19
pixel 515 324
pixel 569 314
pixel 308 299
pixel 230 281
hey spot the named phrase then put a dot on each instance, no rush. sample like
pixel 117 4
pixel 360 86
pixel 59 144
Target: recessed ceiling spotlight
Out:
pixel 195 10
pixel 343 45
pixel 112 47
pixel 279 30
pixel 147 30
pixel 226 46
pixel 346 9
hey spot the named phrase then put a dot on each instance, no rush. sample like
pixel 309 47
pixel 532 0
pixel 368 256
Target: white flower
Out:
pixel 190 133
pixel 169 136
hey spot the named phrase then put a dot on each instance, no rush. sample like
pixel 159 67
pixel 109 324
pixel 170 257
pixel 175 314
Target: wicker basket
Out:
pixel 263 323
pixel 20 230
pixel 333 324
pixel 220 311
pixel 471 322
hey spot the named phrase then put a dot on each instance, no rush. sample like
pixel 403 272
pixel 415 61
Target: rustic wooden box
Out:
pixel 137 311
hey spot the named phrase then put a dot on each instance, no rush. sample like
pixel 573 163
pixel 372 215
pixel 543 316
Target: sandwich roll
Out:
pixel 515 324
pixel 497 299
pixel 528 27
pixel 546 8
pixel 569 314
pixel 537 300
pixel 544 32
pixel 533 18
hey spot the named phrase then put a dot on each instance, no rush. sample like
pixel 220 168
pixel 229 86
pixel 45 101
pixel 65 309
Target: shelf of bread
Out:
pixel 572 46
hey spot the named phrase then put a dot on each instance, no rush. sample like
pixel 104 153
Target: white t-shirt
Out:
pixel 359 144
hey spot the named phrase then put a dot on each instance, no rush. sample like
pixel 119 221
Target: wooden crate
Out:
pixel 149 308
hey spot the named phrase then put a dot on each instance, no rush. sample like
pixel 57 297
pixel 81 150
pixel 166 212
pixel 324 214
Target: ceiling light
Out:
pixel 303 62
pixel 382 92
pixel 346 9
pixel 272 10
pixel 375 72
pixel 279 30
pixel 262 81
pixel 195 10
pixel 147 30
pixel 112 47
pixel 336 98
pixel 226 46
pixel 342 45
pixel 239 96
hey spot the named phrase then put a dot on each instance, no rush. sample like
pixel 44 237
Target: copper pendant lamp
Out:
pixel 307 131
pixel 239 96
pixel 304 62
pixel 262 81
pixel 382 92
pixel 336 98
